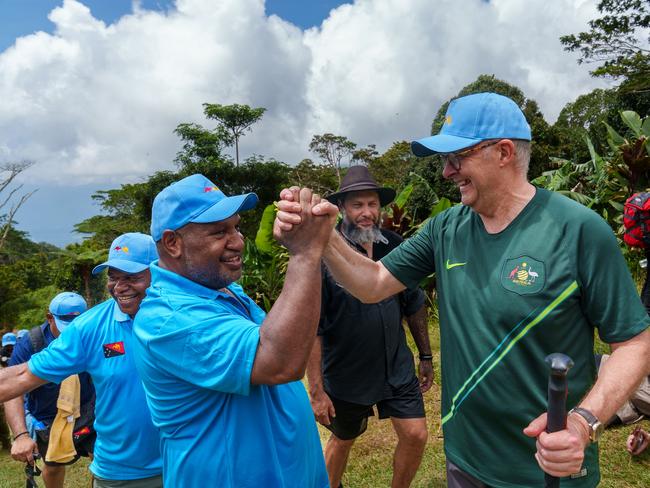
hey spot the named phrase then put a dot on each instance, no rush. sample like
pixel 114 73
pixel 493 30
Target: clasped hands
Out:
pixel 304 221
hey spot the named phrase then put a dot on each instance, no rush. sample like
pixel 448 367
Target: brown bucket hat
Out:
pixel 358 178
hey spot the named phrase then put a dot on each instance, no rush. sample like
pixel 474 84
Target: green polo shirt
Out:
pixel 507 300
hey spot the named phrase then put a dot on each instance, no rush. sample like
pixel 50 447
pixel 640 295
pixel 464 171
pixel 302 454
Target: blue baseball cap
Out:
pixel 131 252
pixel 472 119
pixel 197 200
pixel 65 307
pixel 9 339
pixel 22 333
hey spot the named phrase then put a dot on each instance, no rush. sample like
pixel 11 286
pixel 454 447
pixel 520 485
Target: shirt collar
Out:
pixel 118 315
pixel 47 332
pixel 180 284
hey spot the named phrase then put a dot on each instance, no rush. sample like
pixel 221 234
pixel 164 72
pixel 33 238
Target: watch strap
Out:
pixel 595 426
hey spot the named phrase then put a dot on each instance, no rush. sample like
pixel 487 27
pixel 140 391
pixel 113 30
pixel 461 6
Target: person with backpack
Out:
pixel 127 451
pixel 42 402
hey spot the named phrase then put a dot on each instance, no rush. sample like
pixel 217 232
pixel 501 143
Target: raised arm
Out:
pixel 287 333
pixel 367 280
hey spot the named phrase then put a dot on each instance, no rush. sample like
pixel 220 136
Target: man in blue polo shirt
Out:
pixel 41 402
pixel 127 451
pixel 220 375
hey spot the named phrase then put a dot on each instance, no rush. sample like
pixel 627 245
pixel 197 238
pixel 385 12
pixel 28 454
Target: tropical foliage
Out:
pixel 597 152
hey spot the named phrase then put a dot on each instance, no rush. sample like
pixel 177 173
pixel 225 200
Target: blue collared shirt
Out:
pixel 101 342
pixel 195 353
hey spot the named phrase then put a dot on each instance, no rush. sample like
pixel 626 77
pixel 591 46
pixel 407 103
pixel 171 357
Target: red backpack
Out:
pixel 636 219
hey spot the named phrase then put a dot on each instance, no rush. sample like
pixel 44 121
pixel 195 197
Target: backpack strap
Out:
pixel 37 338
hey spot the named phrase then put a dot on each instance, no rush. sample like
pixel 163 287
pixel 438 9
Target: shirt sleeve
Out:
pixel 413 260
pixel 215 353
pixel 61 358
pixel 411 300
pixel 609 296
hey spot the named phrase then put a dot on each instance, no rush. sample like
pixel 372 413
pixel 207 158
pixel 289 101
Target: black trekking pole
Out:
pixel 32 470
pixel 559 365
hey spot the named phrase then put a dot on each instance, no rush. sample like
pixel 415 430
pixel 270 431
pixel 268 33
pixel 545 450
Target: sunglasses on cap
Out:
pixel 454 159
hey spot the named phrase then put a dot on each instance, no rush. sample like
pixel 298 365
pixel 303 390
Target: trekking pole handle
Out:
pixel 559 365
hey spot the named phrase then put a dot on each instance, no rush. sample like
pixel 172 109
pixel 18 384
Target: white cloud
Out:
pixel 98 103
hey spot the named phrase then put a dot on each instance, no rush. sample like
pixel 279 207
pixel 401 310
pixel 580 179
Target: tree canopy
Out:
pixel 618 42
pixel 234 120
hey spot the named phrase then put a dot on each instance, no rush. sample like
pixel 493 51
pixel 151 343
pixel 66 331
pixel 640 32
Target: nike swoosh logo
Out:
pixel 454 265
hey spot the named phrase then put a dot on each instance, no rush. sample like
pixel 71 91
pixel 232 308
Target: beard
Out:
pixel 209 277
pixel 361 235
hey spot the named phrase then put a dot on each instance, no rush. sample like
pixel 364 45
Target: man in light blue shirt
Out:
pixel 100 342
pixel 221 376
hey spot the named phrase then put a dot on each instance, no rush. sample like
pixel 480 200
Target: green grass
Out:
pixel 371 457
pixel 370 464
pixel 12 474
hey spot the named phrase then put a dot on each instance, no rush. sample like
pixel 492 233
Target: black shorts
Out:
pixel 83 445
pixel 352 419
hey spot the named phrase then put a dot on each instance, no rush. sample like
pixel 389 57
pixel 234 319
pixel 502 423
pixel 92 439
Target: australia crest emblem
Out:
pixel 523 275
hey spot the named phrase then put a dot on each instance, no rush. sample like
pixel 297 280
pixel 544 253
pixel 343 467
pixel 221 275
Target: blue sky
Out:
pixel 92 90
pixel 22 17
pixel 52 211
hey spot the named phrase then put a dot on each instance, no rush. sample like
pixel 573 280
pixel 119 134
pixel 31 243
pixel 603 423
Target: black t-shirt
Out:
pixel 364 354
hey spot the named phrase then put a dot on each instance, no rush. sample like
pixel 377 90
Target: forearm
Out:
pixel 16 381
pixel 364 278
pixel 287 333
pixel 15 414
pixel 619 377
pixel 418 326
pixel 314 369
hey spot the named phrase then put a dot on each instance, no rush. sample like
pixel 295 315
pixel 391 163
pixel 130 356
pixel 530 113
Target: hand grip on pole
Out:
pixel 559 365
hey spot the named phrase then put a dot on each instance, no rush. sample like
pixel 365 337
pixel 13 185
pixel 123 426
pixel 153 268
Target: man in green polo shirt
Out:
pixel 521 272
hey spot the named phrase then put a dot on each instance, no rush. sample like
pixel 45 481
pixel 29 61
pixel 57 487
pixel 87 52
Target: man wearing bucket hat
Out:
pixel 221 376
pixel 127 451
pixel 41 403
pixel 346 380
pixel 521 272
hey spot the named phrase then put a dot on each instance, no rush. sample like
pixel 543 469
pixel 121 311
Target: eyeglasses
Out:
pixel 454 159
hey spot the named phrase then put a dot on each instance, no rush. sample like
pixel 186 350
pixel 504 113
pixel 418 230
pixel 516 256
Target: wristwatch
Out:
pixel 595 426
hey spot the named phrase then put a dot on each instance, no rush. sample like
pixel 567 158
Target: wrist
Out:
pixel 18 436
pixel 305 257
pixel 315 390
pixel 594 426
pixel 426 357
pixel 581 425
